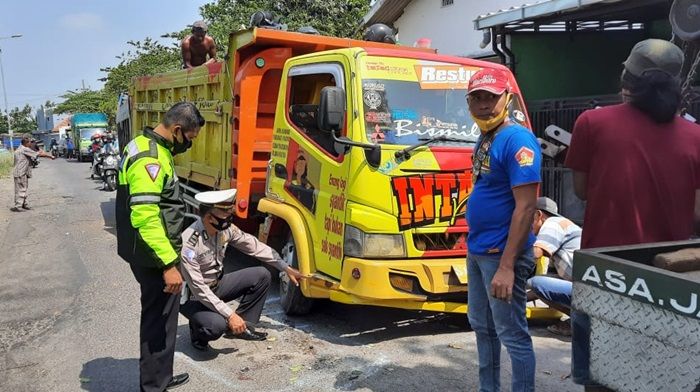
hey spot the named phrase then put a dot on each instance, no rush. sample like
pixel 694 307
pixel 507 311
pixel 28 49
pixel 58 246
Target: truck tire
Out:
pixel 291 298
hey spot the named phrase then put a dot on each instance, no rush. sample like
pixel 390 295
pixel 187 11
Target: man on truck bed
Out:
pixel 500 210
pixel 637 165
pixel 196 46
pixel 150 219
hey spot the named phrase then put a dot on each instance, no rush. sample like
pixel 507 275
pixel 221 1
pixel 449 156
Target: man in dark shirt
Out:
pixel 196 46
pixel 637 165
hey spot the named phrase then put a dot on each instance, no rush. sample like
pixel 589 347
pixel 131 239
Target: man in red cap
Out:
pixel 500 211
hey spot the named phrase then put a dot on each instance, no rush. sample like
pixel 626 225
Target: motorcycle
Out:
pixel 108 170
pixel 96 167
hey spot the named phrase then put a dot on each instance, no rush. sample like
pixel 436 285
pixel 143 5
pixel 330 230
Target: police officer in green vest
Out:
pixel 150 220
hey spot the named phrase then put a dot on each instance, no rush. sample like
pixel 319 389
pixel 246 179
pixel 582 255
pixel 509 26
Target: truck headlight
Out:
pixel 360 244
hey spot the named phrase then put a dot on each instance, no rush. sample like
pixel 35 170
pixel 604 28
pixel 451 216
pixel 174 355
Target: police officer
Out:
pixel 209 289
pixel 150 219
pixel 22 172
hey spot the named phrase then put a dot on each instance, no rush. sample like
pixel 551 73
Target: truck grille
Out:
pixel 440 241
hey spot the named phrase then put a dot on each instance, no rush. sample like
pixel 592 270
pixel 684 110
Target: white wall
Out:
pixel 451 28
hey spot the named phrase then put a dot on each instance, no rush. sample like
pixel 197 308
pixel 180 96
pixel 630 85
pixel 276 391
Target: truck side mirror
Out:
pixel 331 111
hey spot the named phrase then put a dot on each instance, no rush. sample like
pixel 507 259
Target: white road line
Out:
pixel 230 384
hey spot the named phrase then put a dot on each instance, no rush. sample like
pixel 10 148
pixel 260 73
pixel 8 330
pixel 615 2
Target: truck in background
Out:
pixel 83 127
pixel 351 158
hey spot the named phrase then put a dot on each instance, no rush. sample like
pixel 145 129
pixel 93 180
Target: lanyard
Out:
pixel 482 154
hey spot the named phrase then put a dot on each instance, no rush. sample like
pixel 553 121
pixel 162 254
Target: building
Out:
pixel 448 24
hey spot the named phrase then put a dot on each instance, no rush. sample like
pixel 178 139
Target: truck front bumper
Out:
pixel 438 285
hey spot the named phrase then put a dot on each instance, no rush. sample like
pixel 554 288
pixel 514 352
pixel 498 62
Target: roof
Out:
pixel 384 11
pixel 533 15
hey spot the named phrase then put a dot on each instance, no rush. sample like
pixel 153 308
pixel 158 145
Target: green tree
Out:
pixel 339 18
pixel 81 101
pixel 22 120
pixel 146 57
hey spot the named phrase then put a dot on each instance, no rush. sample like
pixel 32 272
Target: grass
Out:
pixel 6 164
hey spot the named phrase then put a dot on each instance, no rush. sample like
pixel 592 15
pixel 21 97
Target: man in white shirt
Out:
pixel 557 239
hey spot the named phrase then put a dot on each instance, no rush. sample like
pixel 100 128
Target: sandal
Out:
pixel 562 328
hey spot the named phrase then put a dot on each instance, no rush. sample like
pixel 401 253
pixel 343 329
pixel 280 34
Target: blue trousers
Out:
pixel 495 322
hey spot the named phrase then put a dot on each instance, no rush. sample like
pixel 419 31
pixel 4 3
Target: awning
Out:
pixel 587 14
pixel 384 11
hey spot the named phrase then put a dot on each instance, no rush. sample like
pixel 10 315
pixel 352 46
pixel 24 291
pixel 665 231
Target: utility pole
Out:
pixel 4 91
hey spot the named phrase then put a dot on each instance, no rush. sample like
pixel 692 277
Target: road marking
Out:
pixel 232 385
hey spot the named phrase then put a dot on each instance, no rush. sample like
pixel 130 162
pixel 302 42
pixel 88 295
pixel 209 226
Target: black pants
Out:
pixel 159 313
pixel 251 284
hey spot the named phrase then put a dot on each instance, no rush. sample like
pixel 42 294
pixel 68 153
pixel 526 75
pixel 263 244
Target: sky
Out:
pixel 64 43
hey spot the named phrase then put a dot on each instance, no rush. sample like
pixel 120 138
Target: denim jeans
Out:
pixel 495 322
pixel 580 349
pixel 552 289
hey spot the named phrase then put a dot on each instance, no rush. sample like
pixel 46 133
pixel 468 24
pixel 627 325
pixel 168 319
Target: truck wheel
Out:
pixel 291 297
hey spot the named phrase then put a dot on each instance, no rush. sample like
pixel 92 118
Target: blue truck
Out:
pixel 83 127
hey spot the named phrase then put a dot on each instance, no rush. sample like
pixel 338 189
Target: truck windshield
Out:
pixel 401 113
pixel 88 132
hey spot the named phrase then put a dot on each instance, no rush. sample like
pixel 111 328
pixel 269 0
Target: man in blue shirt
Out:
pixel 500 211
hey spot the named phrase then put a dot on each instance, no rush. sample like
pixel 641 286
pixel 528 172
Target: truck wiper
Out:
pixel 404 154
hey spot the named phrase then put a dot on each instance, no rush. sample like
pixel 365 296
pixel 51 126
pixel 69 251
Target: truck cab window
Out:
pixel 304 99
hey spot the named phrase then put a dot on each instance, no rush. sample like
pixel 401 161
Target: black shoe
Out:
pixel 251 335
pixel 15 209
pixel 201 346
pixel 179 380
pixel 27 207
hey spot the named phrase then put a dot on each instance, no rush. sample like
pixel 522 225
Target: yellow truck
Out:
pixel 351 158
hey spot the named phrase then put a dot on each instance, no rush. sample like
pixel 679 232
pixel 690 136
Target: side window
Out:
pixel 305 84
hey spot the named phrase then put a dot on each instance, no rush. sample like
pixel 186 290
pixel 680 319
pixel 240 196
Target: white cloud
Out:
pixel 81 21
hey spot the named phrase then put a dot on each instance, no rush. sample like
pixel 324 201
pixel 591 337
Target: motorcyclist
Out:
pixel 95 148
pixel 53 147
pixel 108 146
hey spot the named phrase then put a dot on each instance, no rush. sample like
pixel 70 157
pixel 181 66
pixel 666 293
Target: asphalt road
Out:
pixel 69 314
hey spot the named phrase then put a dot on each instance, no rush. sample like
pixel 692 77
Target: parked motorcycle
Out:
pixel 108 170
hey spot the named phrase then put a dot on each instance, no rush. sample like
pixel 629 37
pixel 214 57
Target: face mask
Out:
pixel 493 122
pixel 180 147
pixel 222 224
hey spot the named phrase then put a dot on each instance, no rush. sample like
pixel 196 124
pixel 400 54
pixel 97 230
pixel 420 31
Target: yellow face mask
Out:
pixel 493 122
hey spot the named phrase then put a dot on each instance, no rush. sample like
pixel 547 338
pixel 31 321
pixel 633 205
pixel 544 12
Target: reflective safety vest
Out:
pixel 149 207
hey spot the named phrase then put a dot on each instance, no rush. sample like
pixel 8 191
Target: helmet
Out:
pixel 308 30
pixel 380 32
pixel 262 19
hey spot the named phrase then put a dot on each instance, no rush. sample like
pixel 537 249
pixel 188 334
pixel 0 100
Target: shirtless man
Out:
pixel 197 45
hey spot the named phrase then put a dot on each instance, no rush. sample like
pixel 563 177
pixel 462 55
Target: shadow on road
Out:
pixel 184 346
pixel 357 325
pixel 109 217
pixel 378 375
pixel 110 374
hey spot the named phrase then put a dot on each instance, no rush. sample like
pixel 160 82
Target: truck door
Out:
pixel 316 172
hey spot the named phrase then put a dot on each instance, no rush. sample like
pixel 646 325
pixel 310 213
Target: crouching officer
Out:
pixel 150 219
pixel 208 289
